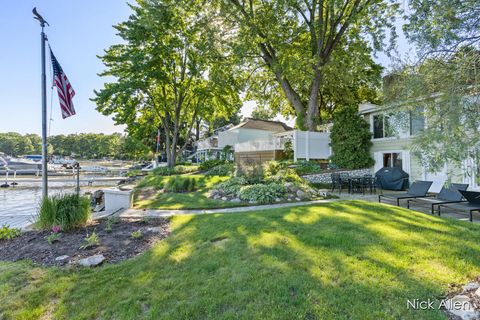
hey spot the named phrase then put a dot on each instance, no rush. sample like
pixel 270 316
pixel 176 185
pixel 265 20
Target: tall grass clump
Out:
pixel 179 184
pixel 65 210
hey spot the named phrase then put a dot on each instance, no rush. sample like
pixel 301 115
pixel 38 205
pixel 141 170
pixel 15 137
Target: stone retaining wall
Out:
pixel 326 177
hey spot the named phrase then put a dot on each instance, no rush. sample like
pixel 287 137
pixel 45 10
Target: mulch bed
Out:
pixel 116 244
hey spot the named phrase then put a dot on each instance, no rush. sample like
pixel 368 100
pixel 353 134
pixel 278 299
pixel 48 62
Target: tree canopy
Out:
pixel 83 145
pixel 304 55
pixel 170 71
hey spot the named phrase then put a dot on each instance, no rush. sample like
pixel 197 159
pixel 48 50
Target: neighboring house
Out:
pixel 248 130
pixel 393 130
pixel 257 141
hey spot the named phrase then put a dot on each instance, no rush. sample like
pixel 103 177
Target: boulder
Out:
pixel 477 293
pixel 236 200
pixel 471 286
pixel 461 306
pixel 92 261
pixel 301 194
pixel 61 258
pixel 224 198
pixel 154 229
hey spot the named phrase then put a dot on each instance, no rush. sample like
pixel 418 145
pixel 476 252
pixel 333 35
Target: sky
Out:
pixel 78 32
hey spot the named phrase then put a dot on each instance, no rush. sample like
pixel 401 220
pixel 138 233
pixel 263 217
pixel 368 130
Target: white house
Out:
pixel 248 130
pixel 256 141
pixel 393 130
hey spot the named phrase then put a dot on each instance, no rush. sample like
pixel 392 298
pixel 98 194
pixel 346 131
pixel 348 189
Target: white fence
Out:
pixel 306 144
pixel 311 145
pixel 268 144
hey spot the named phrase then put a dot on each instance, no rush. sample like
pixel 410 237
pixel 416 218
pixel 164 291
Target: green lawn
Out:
pixel 190 200
pixel 342 260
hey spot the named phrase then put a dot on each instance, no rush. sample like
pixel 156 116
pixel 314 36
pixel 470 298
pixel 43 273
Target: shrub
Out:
pixel 7 233
pixel 136 234
pixel 288 149
pixel 272 167
pixel 252 174
pixel 263 193
pixel 221 170
pixel 350 140
pixel 210 164
pixel 90 241
pixel 65 210
pixel 180 169
pixel 286 175
pixel 307 167
pixel 180 184
pixel 52 237
pixel 232 186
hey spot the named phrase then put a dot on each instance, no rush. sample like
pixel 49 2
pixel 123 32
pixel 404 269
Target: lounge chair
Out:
pixel 473 203
pixel 446 195
pixel 418 189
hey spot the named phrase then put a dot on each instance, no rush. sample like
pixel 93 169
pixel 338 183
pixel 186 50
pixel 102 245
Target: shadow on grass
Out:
pixel 344 260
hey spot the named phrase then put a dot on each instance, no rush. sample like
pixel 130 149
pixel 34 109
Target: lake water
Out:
pixel 19 204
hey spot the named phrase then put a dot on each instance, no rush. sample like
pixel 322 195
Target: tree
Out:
pixel 171 70
pixel 295 41
pixel 350 140
pixel 447 90
pixel 443 26
pixel 263 113
pixel 444 81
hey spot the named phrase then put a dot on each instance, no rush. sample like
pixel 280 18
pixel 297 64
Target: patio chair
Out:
pixel 450 194
pixel 418 189
pixel 339 181
pixel 473 203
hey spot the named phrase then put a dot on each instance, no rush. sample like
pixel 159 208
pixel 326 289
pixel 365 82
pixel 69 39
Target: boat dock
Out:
pixel 69 179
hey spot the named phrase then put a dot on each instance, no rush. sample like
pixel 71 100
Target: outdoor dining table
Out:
pixel 364 181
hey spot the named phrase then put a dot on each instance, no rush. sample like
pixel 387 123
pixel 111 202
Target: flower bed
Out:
pixel 114 239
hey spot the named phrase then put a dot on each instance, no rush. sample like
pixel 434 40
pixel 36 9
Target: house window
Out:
pixel 393 159
pixel 383 126
pixel 378 126
pixel 417 121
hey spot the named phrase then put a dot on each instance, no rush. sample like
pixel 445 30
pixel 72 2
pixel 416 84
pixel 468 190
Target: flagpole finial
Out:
pixel 42 21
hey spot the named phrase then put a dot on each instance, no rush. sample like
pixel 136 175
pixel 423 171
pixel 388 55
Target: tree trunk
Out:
pixel 312 117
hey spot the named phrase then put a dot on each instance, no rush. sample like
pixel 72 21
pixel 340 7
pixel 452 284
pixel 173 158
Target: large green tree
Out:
pixel 443 82
pixel 170 70
pixel 295 42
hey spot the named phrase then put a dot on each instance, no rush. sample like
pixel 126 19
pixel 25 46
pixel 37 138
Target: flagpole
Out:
pixel 44 107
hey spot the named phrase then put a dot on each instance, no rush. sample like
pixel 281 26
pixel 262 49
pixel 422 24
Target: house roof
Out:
pixel 267 125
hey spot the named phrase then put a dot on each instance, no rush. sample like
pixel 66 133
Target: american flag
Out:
pixel 64 88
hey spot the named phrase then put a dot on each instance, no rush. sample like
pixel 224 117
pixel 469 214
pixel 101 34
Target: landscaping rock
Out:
pixel 477 292
pixel 92 261
pixel 224 198
pixel 278 200
pixel 301 194
pixel 461 306
pixel 154 229
pixel 298 199
pixel 236 200
pixel 471 286
pixel 61 258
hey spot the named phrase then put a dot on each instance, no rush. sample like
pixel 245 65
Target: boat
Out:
pixel 18 164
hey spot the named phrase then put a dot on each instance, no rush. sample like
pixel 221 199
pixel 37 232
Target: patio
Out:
pixel 446 212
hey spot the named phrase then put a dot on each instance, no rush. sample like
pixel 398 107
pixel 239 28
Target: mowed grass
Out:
pixel 341 260
pixel 189 200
